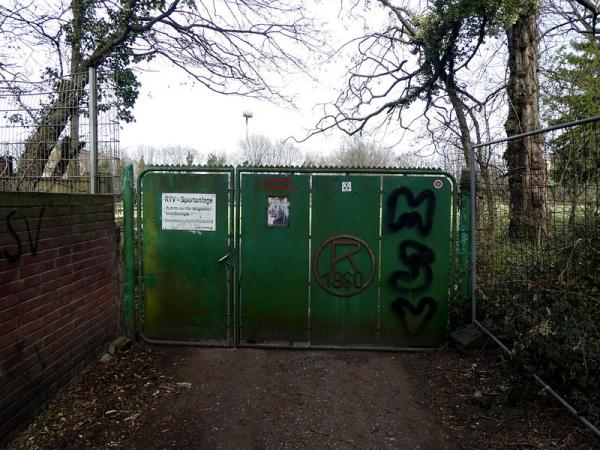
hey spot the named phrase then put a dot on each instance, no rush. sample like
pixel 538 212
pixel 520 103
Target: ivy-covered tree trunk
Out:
pixel 527 171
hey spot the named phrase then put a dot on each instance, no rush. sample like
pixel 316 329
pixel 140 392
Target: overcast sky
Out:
pixel 171 109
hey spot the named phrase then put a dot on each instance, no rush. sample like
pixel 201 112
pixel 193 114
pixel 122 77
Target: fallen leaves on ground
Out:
pixel 489 405
pixel 102 405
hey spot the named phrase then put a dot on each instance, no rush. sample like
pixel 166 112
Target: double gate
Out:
pixel 295 258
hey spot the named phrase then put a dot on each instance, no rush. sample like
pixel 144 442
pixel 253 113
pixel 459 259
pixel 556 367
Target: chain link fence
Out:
pixel 45 135
pixel 537 280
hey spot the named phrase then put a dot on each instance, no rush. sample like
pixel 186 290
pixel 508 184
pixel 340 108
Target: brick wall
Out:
pixel 57 294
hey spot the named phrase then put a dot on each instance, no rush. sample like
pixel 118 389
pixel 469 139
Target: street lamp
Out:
pixel 247 115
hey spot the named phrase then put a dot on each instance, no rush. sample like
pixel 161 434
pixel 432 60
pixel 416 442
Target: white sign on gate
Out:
pixel 190 212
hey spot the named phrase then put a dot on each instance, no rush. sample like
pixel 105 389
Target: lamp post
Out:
pixel 247 115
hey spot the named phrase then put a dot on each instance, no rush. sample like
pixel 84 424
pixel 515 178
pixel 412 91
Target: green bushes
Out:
pixel 545 300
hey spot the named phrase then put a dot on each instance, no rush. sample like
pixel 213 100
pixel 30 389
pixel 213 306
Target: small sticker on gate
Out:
pixel 346 186
pixel 438 184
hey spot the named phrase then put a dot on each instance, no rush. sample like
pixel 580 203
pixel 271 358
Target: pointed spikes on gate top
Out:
pixel 186 167
pixel 339 168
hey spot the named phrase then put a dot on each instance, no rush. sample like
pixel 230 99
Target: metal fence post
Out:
pixel 508 259
pixel 473 184
pixel 93 107
pixel 128 219
pixel 464 244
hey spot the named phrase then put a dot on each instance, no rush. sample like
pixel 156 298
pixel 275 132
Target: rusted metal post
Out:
pixel 93 85
pixel 464 238
pixel 128 219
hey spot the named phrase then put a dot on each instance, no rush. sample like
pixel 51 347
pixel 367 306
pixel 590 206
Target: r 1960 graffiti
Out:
pixel 345 252
pixel 339 280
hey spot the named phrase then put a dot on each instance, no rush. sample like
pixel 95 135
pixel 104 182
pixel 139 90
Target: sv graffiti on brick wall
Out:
pixel 14 251
pixel 415 256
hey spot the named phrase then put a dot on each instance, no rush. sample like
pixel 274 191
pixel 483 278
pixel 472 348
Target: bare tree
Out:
pixel 143 156
pixel 176 155
pixel 227 46
pixel 579 16
pixel 417 60
pixel 179 155
pixel 285 153
pixel 410 160
pixel 216 159
pixel 356 151
pixel 256 150
pixel 315 159
pixel 259 150
pixel 527 171
pixel 423 58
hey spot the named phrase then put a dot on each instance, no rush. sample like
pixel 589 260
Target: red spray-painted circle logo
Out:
pixel 344 265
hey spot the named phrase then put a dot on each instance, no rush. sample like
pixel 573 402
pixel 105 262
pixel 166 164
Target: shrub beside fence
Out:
pixel 540 291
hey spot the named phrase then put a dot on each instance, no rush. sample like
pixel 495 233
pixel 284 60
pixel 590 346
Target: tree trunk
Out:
pixel 463 125
pixel 527 171
pixel 42 141
pixel 67 164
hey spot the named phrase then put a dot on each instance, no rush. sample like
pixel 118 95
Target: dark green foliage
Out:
pixel 90 30
pixel 572 89
pixel 126 89
pixel 573 92
pixel 546 301
pixel 449 36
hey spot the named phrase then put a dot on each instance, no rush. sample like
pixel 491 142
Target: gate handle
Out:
pixel 224 257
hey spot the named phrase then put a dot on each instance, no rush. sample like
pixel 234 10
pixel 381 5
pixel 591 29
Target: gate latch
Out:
pixel 224 258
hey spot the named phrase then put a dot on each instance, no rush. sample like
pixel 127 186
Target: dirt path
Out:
pixel 264 399
pixel 152 397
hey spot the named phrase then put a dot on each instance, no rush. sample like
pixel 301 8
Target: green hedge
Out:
pixel 545 301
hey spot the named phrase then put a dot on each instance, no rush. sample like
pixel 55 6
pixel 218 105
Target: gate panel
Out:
pixel 274 239
pixel 185 228
pixel 415 260
pixel 325 259
pixel 345 253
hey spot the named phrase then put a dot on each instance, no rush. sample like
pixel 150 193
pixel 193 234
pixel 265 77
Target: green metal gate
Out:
pixel 354 259
pixel 322 258
pixel 185 228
